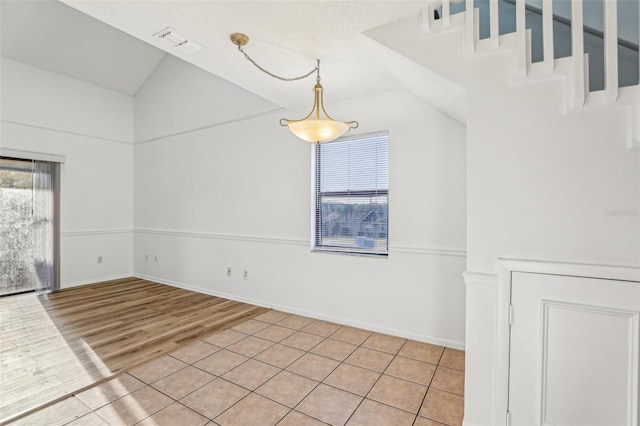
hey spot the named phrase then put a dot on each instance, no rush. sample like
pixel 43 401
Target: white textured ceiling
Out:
pixel 286 38
pixel 53 36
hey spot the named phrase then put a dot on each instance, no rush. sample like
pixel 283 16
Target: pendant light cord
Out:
pixel 316 69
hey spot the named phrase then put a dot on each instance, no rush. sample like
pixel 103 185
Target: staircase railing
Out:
pixel 579 86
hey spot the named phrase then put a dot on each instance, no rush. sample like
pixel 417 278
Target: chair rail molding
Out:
pixel 106 231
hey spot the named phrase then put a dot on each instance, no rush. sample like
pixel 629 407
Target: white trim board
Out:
pixel 96 232
pixel 31 155
pixel 68 132
pixel 435 251
pixel 209 126
pixel 428 250
pixel 212 236
pixel 95 280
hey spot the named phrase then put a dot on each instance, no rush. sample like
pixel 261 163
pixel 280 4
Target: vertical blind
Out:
pixel 351 194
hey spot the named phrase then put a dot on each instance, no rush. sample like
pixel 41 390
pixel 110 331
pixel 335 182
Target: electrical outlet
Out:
pixel 146 258
pixel 245 275
pixel 228 271
pixel 155 258
pixel 99 259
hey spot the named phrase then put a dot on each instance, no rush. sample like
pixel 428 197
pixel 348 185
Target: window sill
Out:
pixel 348 252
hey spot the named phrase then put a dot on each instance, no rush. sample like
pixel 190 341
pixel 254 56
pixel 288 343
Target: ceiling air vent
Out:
pixel 179 42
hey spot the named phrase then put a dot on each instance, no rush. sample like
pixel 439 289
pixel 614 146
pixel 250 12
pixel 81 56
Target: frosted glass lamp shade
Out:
pixel 311 130
pixel 318 130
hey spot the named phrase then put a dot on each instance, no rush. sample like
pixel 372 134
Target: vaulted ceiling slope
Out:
pixel 111 43
pixel 55 37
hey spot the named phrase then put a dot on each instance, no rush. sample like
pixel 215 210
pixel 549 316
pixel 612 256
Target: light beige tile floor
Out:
pixel 279 369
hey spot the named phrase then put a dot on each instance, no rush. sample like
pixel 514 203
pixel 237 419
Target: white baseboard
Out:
pixel 315 315
pixel 95 280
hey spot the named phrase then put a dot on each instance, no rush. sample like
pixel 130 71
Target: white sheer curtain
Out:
pixel 29 222
pixel 44 225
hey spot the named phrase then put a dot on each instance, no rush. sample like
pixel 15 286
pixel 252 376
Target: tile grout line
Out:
pixel 340 361
pixel 424 398
pixel 376 382
pixel 397 354
pixel 324 338
pixel 253 357
pixel 337 366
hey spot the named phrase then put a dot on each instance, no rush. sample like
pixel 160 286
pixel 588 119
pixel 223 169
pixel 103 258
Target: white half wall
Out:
pixel 543 185
pixel 239 195
pixel 93 127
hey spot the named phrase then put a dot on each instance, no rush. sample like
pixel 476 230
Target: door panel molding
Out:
pixel 625 320
pixel 505 268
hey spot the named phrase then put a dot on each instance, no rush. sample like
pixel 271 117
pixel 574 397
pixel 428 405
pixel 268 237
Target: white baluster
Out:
pixel 577 52
pixel 521 39
pixel 426 14
pixel 469 30
pixel 547 34
pixel 494 24
pixel 611 50
pixel 446 13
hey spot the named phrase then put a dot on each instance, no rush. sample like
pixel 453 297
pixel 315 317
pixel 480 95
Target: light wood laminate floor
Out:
pixel 54 345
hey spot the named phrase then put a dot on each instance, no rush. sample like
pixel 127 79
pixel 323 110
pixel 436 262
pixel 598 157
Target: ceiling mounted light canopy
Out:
pixel 317 126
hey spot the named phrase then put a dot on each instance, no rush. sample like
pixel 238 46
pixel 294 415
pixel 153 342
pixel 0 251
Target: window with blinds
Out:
pixel 352 194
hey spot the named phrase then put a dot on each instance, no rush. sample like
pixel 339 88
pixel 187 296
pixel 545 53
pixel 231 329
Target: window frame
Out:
pixel 318 195
pixel 24 161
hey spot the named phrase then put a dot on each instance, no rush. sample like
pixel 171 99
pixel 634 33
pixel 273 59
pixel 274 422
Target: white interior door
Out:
pixel 574 351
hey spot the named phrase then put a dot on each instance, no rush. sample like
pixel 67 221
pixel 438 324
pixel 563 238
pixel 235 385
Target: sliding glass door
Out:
pixel 28 226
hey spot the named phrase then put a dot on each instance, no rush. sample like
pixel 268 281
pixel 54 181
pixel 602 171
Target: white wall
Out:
pixel 543 184
pixel 238 195
pixel 178 90
pixel 93 127
pixel 546 185
pixel 200 179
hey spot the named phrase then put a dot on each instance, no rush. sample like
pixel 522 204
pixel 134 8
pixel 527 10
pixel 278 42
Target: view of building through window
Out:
pixel 351 194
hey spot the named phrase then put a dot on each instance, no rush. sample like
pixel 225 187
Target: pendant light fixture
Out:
pixel 317 126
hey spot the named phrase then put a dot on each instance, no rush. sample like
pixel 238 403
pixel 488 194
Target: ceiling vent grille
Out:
pixel 179 42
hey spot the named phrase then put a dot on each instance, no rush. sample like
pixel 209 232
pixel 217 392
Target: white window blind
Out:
pixel 351 194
